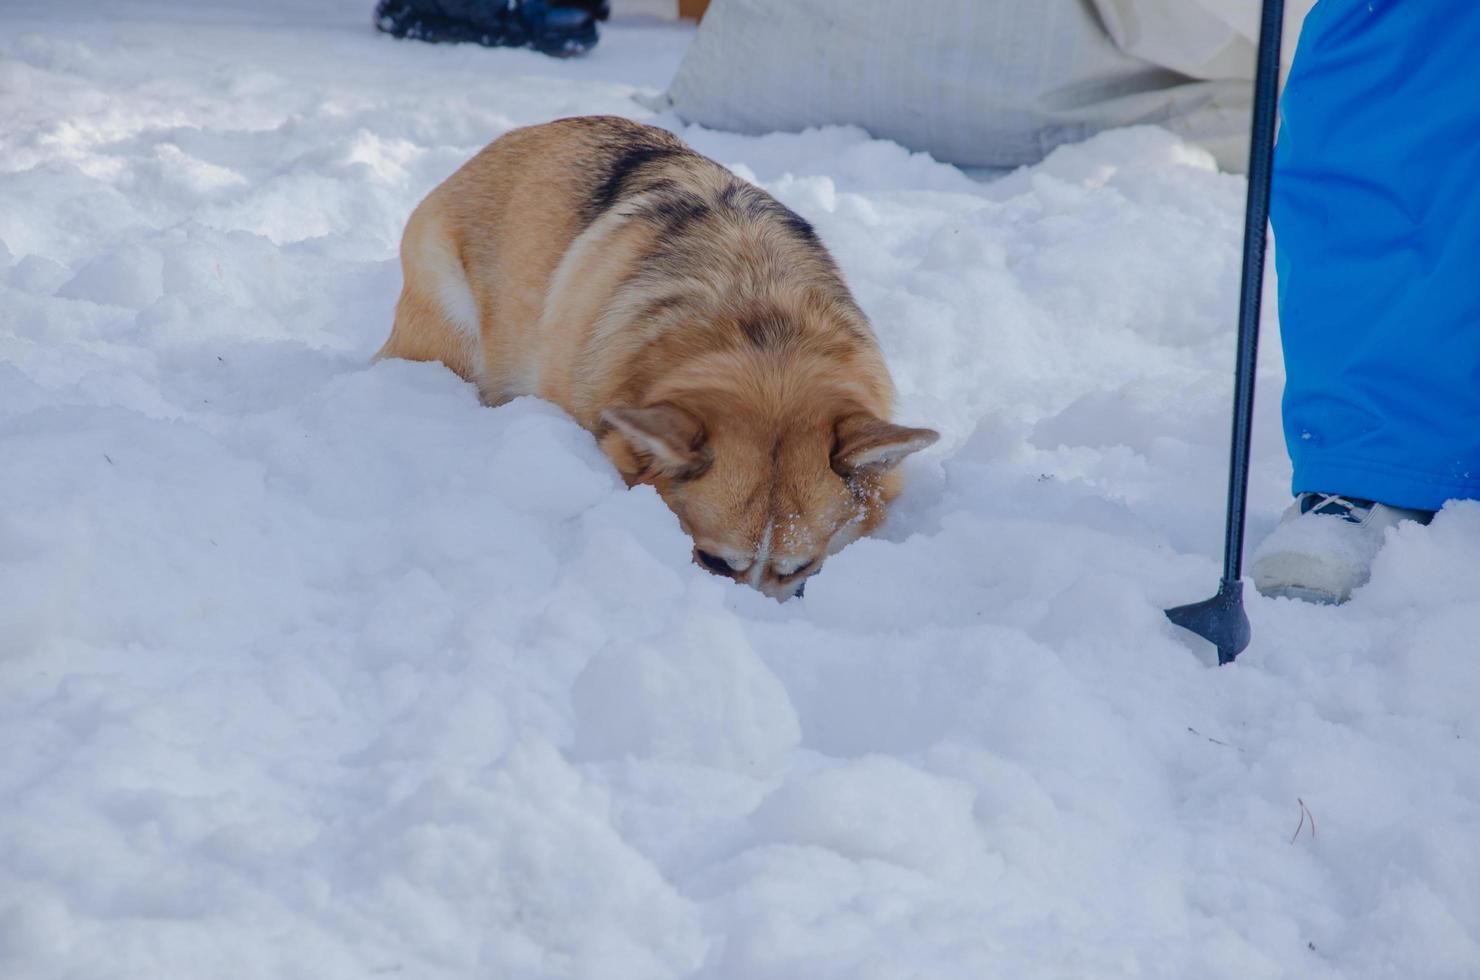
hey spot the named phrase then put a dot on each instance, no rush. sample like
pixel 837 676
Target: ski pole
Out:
pixel 1221 620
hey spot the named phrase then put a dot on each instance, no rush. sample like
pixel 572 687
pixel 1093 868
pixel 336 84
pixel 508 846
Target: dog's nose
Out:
pixel 800 589
pixel 780 592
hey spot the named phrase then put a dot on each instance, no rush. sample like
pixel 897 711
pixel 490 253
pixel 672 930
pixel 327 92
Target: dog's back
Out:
pixel 686 317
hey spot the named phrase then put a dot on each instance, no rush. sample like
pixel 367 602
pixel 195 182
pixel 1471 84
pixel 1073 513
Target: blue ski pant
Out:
pixel 1375 205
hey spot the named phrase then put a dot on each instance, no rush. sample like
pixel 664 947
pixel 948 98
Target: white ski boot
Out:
pixel 1324 546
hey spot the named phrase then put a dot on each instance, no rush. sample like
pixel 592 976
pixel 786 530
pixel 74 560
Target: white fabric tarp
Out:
pixel 980 83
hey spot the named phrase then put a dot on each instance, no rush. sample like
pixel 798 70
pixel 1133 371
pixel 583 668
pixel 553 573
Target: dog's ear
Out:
pixel 868 444
pixel 668 440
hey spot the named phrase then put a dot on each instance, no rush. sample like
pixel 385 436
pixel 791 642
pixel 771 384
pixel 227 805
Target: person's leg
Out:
pixel 1376 218
pixel 1375 204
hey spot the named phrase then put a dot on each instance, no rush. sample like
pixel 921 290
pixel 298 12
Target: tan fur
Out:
pixel 682 315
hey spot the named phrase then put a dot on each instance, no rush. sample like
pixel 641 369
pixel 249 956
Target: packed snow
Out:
pixel 313 668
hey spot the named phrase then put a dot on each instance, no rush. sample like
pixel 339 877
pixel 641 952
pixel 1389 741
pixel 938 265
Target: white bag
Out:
pixel 979 83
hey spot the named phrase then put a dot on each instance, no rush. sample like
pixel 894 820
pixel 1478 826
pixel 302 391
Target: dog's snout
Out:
pixel 781 580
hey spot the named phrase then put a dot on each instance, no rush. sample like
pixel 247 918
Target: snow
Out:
pixel 313 668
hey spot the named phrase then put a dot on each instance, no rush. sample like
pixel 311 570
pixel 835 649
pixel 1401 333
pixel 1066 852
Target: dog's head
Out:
pixel 765 495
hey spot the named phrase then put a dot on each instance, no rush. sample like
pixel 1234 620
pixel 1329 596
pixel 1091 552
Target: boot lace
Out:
pixel 1351 509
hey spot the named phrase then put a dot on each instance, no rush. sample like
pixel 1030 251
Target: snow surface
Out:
pixel 316 669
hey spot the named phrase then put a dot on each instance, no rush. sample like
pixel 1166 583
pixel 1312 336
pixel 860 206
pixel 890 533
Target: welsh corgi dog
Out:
pixel 692 323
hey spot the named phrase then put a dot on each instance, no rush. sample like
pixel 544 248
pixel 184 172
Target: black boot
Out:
pixel 560 30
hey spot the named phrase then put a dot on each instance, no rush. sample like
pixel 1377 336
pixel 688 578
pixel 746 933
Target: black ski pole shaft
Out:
pixel 1221 619
pixel 1256 218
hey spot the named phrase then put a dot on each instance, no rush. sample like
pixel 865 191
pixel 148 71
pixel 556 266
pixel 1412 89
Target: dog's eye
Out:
pixel 800 569
pixel 714 563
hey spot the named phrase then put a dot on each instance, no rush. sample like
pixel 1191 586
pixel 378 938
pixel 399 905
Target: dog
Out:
pixel 692 323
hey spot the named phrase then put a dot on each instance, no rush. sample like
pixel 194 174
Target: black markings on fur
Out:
pixel 660 186
pixel 734 197
pixel 767 330
pixel 627 155
pixel 676 212
pixel 753 202
pixel 800 227
pixel 623 174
